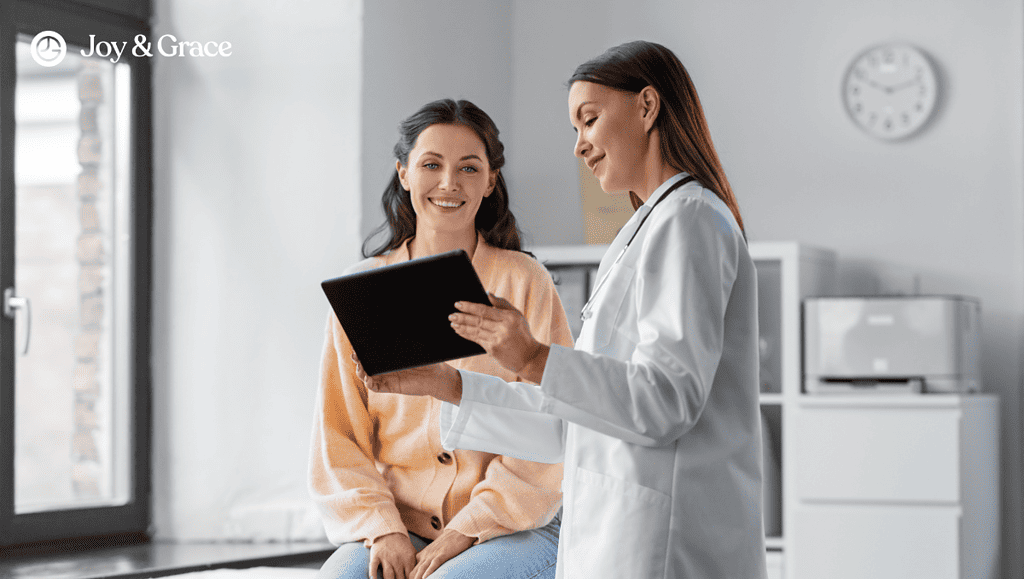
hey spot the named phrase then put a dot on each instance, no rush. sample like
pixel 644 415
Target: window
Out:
pixel 75 226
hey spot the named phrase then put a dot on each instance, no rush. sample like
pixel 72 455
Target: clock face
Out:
pixel 889 90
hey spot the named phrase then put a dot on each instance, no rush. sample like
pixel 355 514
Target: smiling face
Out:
pixel 611 136
pixel 447 178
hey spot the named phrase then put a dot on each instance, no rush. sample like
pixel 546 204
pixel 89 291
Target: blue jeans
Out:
pixel 524 555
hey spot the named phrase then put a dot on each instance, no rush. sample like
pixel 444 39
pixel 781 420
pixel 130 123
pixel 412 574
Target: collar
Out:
pixel 401 253
pixel 660 191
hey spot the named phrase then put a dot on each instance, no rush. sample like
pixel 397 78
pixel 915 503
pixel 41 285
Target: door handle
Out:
pixel 12 303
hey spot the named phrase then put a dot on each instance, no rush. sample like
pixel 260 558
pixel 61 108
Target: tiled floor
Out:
pixel 161 560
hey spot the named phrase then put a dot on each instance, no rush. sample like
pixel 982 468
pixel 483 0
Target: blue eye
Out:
pixel 470 169
pixel 431 165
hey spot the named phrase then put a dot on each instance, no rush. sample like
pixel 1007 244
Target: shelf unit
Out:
pixel 787 273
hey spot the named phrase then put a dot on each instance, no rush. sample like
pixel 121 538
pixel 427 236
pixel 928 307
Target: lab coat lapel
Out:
pixel 615 247
pixel 627 231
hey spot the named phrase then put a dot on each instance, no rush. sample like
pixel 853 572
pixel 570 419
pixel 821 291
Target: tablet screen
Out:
pixel 396 316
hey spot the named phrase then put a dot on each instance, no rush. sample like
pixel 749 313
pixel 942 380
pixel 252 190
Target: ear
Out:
pixel 650 106
pixel 401 175
pixel 493 181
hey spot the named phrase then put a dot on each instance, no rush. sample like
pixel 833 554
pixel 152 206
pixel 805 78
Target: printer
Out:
pixel 908 344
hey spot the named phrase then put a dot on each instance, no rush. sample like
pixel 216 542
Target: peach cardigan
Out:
pixel 376 461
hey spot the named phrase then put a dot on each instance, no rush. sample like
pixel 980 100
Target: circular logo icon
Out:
pixel 48 48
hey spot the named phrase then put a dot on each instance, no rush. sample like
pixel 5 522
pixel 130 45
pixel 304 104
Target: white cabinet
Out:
pixel 847 541
pixel 877 453
pixel 900 486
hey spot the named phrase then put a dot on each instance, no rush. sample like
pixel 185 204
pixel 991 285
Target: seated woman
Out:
pixel 390 496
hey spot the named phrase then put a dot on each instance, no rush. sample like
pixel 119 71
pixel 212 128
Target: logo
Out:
pixel 143 48
pixel 48 48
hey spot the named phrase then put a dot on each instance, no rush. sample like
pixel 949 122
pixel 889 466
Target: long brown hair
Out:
pixel 494 218
pixel 685 138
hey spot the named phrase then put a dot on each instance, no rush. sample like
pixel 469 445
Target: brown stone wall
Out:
pixel 87 467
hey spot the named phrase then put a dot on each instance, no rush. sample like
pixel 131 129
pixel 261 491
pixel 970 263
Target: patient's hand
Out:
pixel 445 547
pixel 394 555
pixel 503 331
pixel 438 380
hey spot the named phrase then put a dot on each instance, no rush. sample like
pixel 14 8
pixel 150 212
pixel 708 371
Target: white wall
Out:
pixel 260 165
pixel 256 187
pixel 946 206
pixel 416 52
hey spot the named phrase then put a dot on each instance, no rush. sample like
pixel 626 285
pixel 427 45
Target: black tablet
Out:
pixel 396 316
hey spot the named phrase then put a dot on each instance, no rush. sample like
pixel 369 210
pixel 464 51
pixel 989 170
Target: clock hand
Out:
pixel 870 82
pixel 903 85
pixel 884 88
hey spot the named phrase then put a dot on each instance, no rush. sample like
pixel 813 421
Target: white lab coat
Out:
pixel 655 413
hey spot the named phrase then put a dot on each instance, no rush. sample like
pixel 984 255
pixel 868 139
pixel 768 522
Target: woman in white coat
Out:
pixel 655 412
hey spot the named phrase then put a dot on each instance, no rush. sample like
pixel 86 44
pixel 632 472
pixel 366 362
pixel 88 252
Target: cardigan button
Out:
pixel 436 523
pixel 444 458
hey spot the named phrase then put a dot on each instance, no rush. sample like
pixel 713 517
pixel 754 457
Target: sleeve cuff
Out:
pixel 376 523
pixel 493 417
pixel 470 525
pixel 453 420
pixel 389 522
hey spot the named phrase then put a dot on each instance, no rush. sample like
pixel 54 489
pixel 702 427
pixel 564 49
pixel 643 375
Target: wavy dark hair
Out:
pixel 494 219
pixel 685 138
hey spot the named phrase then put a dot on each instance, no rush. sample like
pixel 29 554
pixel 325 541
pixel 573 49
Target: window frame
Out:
pixel 111 20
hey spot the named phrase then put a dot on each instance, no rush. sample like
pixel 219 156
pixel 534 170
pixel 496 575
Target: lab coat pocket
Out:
pixel 608 308
pixel 619 529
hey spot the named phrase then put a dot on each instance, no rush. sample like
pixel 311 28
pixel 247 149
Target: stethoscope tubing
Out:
pixel 586 312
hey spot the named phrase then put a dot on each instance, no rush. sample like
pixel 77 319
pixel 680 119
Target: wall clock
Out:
pixel 890 90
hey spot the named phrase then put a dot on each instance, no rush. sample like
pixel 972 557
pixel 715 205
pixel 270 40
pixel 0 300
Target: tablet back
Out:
pixel 396 316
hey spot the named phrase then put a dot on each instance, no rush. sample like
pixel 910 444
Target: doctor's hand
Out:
pixel 394 555
pixel 438 380
pixel 502 330
pixel 438 552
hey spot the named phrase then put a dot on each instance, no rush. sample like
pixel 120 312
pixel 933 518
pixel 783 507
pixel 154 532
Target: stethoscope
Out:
pixel 588 307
